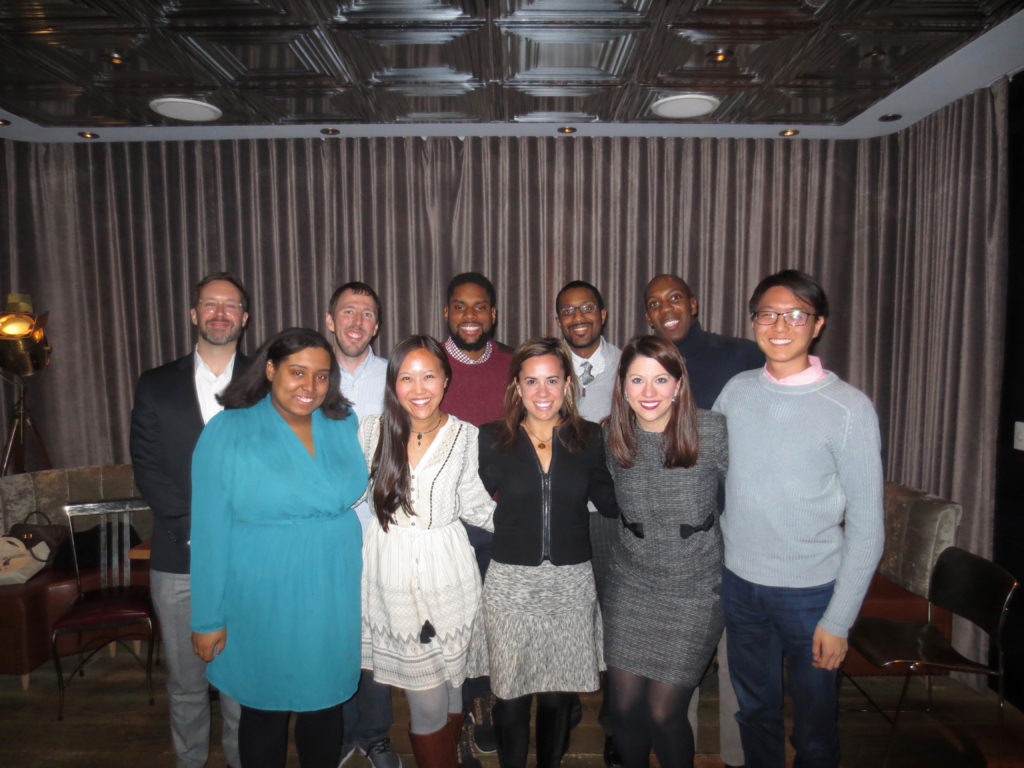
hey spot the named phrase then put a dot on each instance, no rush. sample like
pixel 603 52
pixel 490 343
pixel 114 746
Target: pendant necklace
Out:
pixel 419 435
pixel 541 444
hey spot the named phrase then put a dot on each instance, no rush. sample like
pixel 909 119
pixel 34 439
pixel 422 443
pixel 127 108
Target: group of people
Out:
pixel 489 529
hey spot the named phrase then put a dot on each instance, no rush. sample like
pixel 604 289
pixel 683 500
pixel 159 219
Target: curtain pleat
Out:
pixel 907 233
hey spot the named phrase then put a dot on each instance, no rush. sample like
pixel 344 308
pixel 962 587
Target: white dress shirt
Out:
pixel 209 385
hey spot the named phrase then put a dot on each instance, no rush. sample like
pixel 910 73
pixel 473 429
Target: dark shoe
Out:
pixel 381 755
pixel 484 738
pixel 463 742
pixel 347 750
pixel 612 759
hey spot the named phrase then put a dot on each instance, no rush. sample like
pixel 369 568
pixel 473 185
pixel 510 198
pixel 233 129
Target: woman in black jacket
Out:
pixel 543 625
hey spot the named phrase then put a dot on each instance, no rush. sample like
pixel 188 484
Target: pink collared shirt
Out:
pixel 812 373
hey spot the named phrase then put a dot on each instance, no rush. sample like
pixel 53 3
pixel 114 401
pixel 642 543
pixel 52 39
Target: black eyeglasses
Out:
pixel 793 317
pixel 570 309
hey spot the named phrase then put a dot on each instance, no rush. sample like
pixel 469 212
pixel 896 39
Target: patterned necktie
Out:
pixel 585 373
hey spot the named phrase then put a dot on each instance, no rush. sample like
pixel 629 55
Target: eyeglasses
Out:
pixel 584 309
pixel 793 317
pixel 229 307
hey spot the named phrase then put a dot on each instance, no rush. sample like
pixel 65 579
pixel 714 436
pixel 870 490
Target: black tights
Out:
pixel 263 737
pixel 647 713
pixel 512 726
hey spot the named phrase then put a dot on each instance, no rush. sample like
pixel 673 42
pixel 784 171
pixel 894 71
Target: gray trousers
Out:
pixel 730 748
pixel 187 687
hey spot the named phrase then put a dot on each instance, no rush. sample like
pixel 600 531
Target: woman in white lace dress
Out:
pixel 421 584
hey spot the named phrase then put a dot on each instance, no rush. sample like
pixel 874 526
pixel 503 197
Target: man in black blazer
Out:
pixel 172 404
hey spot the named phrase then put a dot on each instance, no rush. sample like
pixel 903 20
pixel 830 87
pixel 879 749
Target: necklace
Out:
pixel 421 433
pixel 541 444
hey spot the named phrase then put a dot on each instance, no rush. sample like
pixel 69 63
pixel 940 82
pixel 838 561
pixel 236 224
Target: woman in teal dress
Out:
pixel 276 550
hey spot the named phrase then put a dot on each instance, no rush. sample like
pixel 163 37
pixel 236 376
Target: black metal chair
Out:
pixel 964 584
pixel 98 616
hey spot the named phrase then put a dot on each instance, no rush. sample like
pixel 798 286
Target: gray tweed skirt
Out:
pixel 543 627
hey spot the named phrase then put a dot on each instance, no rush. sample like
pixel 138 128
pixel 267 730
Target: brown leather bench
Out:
pixel 918 526
pixel 29 610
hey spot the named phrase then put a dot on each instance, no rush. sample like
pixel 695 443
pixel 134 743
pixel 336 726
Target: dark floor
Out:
pixel 108 723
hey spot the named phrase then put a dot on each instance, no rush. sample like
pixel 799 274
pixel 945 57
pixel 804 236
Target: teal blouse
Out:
pixel 276 557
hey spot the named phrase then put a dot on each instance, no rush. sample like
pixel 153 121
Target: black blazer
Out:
pixel 166 422
pixel 516 479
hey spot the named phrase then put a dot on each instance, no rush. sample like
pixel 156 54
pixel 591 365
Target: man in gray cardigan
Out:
pixel 803 526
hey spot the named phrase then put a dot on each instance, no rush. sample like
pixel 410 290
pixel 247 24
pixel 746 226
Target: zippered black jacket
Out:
pixel 544 516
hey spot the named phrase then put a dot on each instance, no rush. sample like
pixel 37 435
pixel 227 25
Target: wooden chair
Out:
pixel 118 610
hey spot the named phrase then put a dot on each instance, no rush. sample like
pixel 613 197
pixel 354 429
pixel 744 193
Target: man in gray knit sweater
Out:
pixel 803 526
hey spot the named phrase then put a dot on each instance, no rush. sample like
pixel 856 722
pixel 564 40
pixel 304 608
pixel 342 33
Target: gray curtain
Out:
pixel 907 233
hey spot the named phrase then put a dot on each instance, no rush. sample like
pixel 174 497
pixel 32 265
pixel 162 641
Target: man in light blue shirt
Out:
pixel 353 320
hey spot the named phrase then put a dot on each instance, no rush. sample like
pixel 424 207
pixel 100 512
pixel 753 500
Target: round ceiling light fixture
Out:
pixel 190 110
pixel 682 106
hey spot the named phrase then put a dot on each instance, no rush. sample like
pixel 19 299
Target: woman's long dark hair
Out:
pixel 390 467
pixel 253 385
pixel 679 441
pixel 571 432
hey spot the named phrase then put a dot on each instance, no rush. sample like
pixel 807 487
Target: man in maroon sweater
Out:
pixel 475 394
pixel 479 364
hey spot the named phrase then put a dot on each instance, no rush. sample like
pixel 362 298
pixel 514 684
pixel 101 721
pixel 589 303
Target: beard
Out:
pixel 474 346
pixel 579 344
pixel 220 338
pixel 350 351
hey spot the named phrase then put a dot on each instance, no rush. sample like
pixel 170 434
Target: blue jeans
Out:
pixel 765 628
pixel 367 715
pixel 482 542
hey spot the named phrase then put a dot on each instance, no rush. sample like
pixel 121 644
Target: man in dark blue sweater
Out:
pixel 711 360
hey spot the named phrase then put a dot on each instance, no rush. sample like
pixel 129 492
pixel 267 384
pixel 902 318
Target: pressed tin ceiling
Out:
pixel 286 68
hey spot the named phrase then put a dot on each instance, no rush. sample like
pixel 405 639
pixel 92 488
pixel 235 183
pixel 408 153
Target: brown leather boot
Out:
pixel 434 750
pixel 455 721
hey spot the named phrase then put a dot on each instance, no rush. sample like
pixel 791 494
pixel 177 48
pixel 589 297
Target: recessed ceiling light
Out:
pixel 788 132
pixel 5 122
pixel 685 105
pixel 191 110
pixel 875 53
pixel 329 131
pixel 88 135
pixel 890 118
pixel 567 129
pixel 720 55
pixel 116 58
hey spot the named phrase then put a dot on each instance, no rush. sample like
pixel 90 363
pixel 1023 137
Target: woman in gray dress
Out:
pixel 662 616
